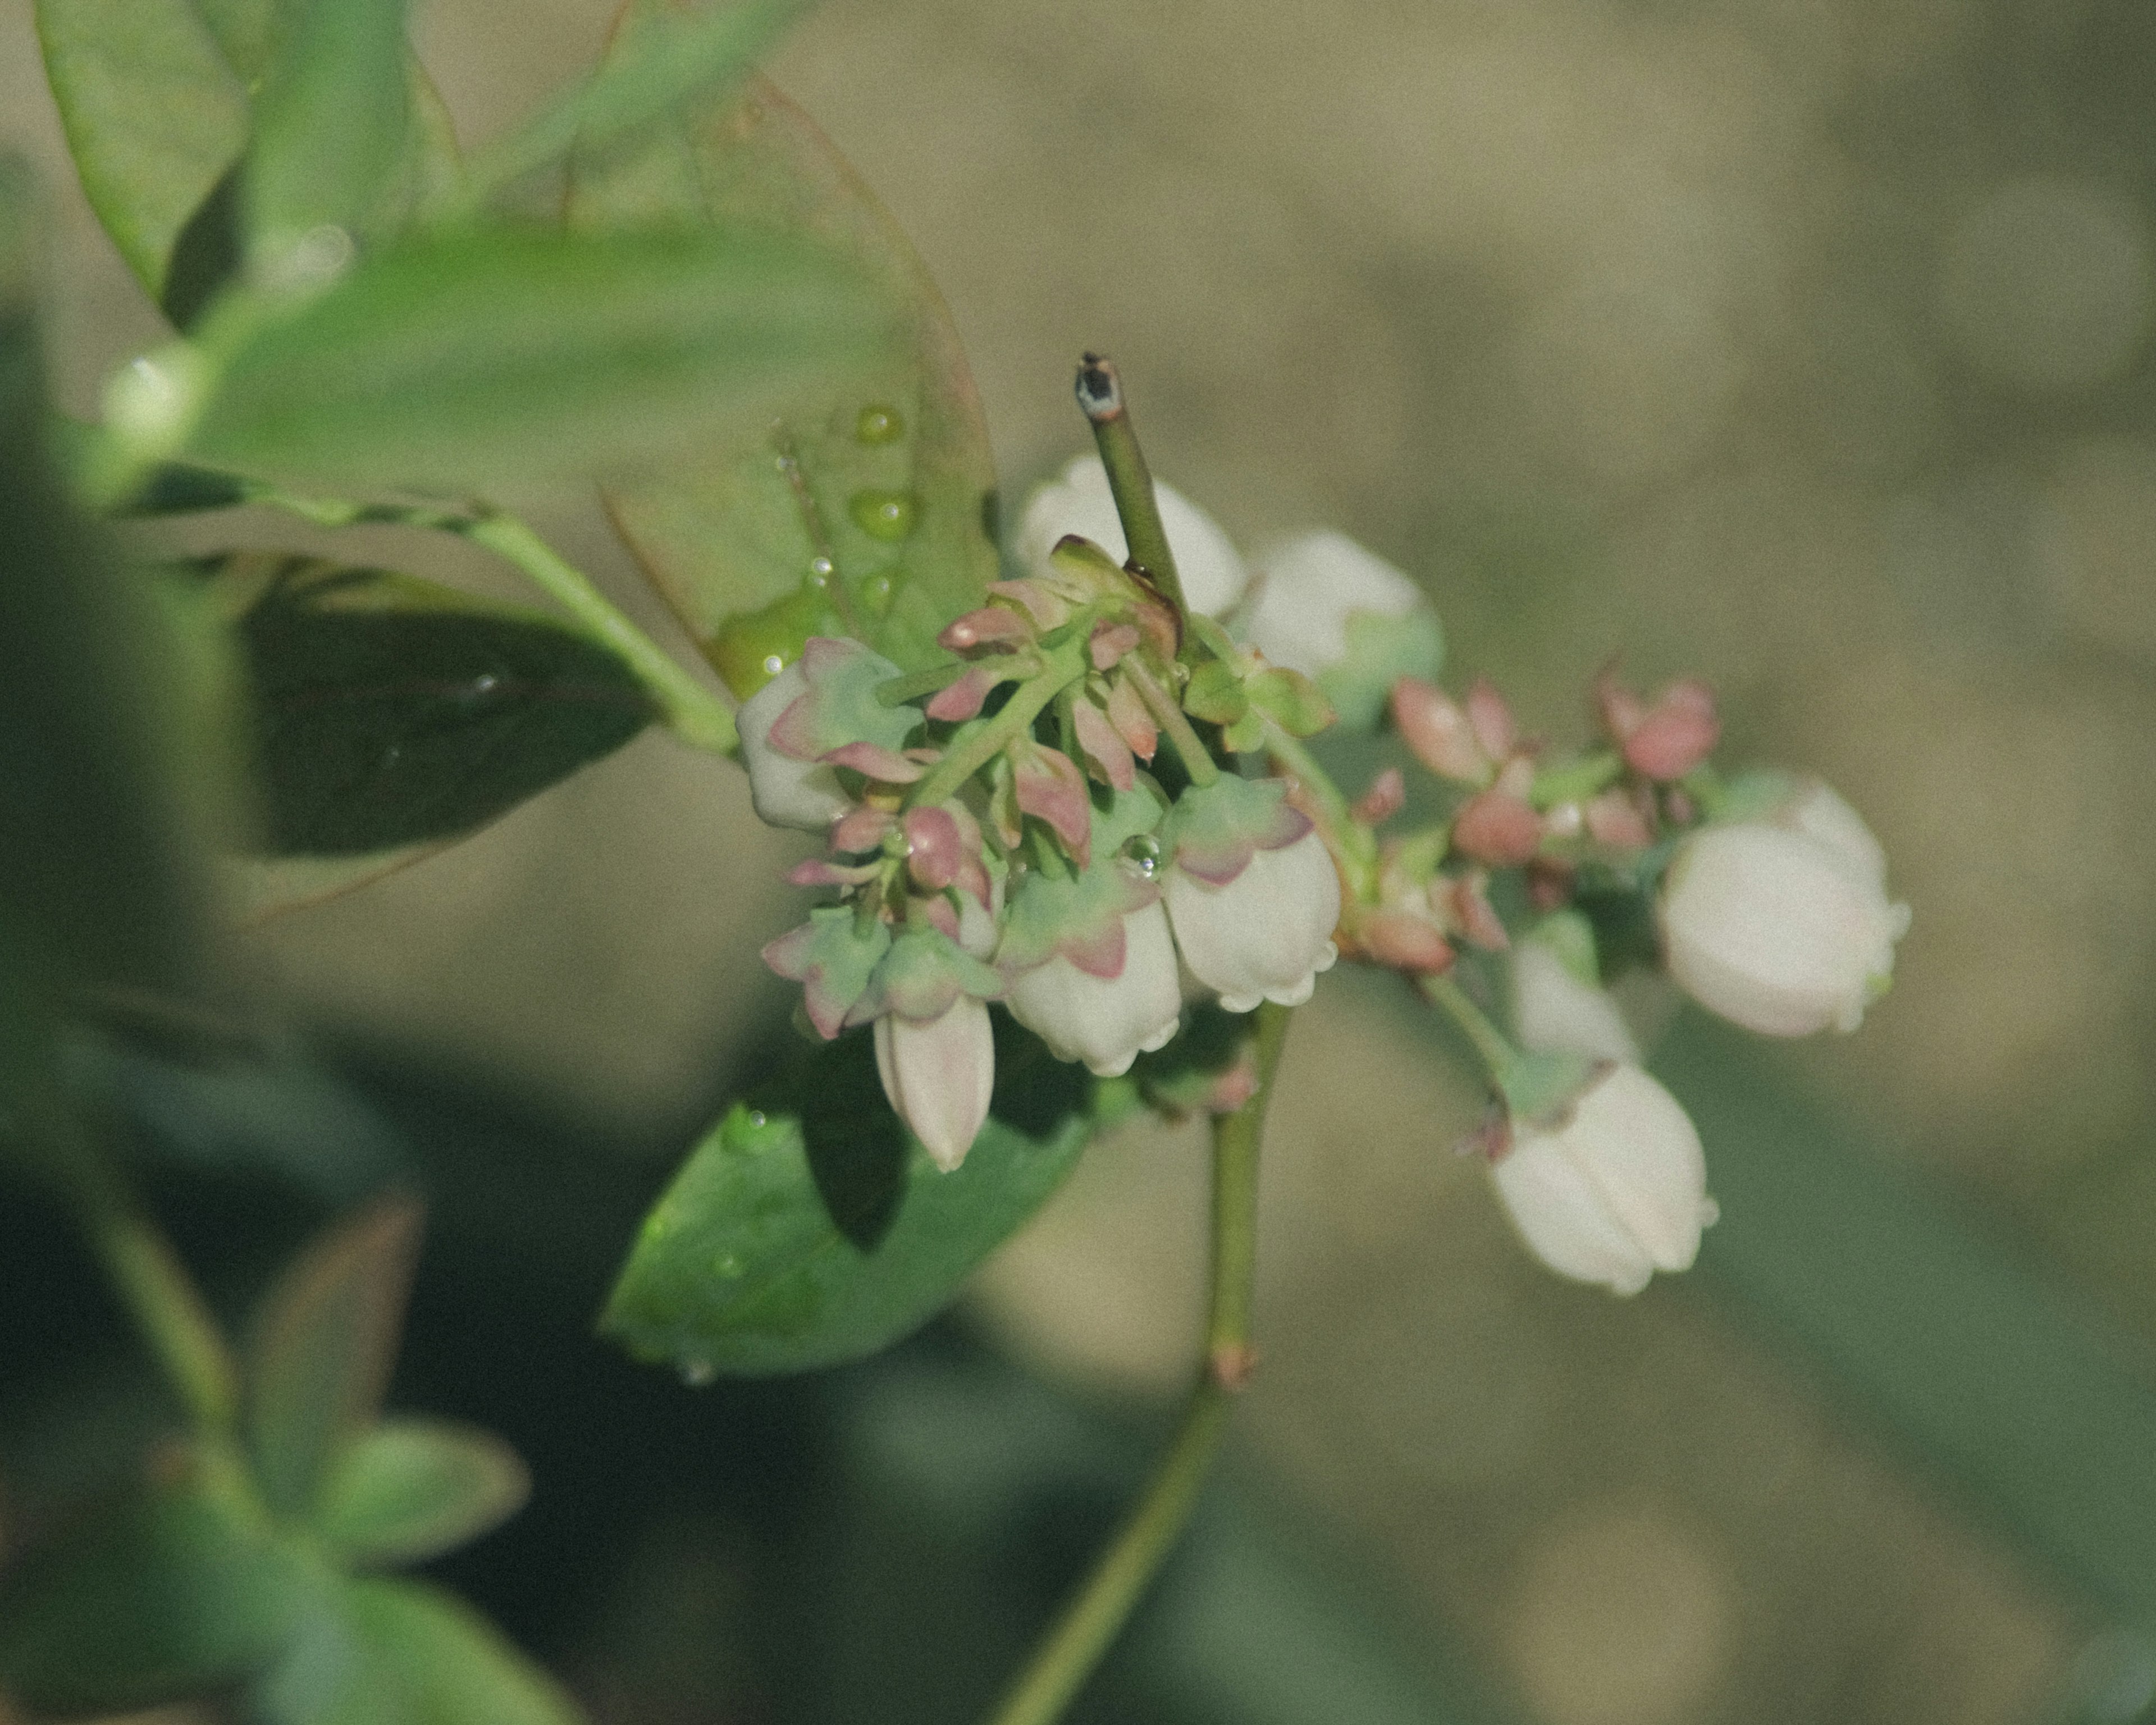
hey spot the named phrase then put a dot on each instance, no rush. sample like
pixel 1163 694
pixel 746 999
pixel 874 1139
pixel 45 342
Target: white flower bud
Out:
pixel 1554 1012
pixel 786 792
pixel 1613 1190
pixel 1819 811
pixel 1311 584
pixel 1106 1022
pixel 1777 930
pixel 939 1073
pixel 1080 502
pixel 1266 934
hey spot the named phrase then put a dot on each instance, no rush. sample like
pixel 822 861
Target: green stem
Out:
pixel 1093 1615
pixel 146 1274
pixel 973 748
pixel 1101 395
pixel 1197 759
pixel 1497 1052
pixel 694 714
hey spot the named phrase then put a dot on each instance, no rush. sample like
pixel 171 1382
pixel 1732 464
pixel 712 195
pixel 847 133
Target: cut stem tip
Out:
pixel 1099 390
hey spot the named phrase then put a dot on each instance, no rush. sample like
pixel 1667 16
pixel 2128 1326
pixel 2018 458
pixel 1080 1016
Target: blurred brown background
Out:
pixel 1803 344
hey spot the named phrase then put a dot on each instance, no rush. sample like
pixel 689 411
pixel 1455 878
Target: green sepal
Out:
pixel 1575 781
pixel 1569 937
pixel 1247 735
pixel 1539 1089
pixel 1298 703
pixel 1381 650
pixel 1754 795
pixel 1215 693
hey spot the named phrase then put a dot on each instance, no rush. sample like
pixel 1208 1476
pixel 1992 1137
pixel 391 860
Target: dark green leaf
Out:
pixel 2024 1398
pixel 206 254
pixel 456 358
pixel 408 1490
pixel 324 1341
pixel 153 114
pixel 401 1653
pixel 164 1594
pixel 809 1229
pixel 330 123
pixel 391 711
pixel 660 57
pixel 866 511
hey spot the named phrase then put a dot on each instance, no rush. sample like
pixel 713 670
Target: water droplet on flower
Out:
pixel 773 664
pixel 879 424
pixel 820 568
pixel 884 515
pixel 697 1373
pixel 756 1117
pixel 1143 853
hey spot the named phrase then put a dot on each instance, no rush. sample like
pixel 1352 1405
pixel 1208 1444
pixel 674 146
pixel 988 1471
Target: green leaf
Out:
pixel 324 1341
pixel 1999 1380
pixel 809 1229
pixel 329 125
pixel 392 712
pixel 659 57
pixel 868 509
pixel 153 113
pixel 401 1653
pixel 408 1490
pixel 449 360
pixel 163 1595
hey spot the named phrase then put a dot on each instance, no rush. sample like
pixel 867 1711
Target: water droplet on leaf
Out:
pixel 884 515
pixel 880 424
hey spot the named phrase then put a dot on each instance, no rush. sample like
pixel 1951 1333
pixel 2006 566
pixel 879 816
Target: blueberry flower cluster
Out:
pixel 1010 827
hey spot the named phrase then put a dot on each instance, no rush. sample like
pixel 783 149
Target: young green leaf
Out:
pixel 660 57
pixel 867 509
pixel 408 1490
pixel 329 126
pixel 453 359
pixel 807 1228
pixel 153 113
pixel 324 1341
pixel 390 712
pixel 401 1653
pixel 164 1594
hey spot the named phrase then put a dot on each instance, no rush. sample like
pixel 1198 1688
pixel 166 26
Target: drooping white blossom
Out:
pixel 1079 500
pixel 1106 1021
pixel 1343 617
pixel 1614 1187
pixel 1786 929
pixel 1264 935
pixel 939 1073
pixel 786 792
pixel 1556 1011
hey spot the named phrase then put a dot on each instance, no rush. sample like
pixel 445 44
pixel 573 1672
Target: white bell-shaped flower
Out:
pixel 786 792
pixel 1265 935
pixel 1555 1012
pixel 1777 929
pixel 1311 585
pixel 1819 812
pixel 1079 501
pixel 939 1073
pixel 1614 1188
pixel 1106 1021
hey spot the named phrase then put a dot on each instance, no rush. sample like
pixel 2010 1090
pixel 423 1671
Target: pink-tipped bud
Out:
pixel 992 625
pixel 1614 819
pixel 1492 715
pixel 1497 828
pixel 1402 941
pixel 1387 796
pixel 1433 725
pixel 1676 734
pixel 939 1075
pixel 936 853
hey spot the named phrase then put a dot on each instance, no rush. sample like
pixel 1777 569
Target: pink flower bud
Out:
pixel 1106 1021
pixel 1497 828
pixel 992 625
pixel 1492 716
pixel 1267 933
pixel 939 1073
pixel 1676 734
pixel 1387 796
pixel 1613 1188
pixel 1080 502
pixel 1614 819
pixel 1777 930
pixel 1433 725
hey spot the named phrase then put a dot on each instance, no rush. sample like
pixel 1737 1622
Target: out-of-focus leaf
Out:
pixel 867 510
pixel 408 1490
pixel 330 123
pixel 808 1228
pixel 153 114
pixel 2043 1416
pixel 99 868
pixel 457 358
pixel 662 55
pixel 392 711
pixel 164 1593
pixel 323 1344
pixel 401 1653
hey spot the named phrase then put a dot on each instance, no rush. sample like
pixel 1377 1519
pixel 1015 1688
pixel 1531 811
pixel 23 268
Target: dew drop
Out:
pixel 880 424
pixel 697 1373
pixel 772 665
pixel 884 515
pixel 756 1118
pixel 1143 853
pixel 821 568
